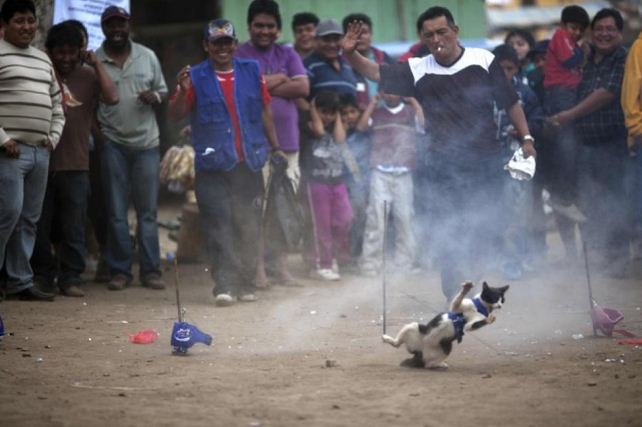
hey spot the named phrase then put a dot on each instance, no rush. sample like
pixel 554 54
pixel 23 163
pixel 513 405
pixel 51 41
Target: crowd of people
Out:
pixel 428 158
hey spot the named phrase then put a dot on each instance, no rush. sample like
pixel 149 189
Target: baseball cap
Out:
pixel 114 12
pixel 327 27
pixel 219 28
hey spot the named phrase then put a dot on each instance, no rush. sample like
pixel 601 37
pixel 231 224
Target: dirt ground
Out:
pixel 313 356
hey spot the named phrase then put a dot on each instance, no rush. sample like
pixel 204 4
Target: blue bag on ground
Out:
pixel 185 335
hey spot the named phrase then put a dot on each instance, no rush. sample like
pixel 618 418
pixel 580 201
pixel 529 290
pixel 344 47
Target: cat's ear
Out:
pixel 503 289
pixel 485 286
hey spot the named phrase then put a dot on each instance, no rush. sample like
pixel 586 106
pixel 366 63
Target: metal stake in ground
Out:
pixel 588 281
pixel 386 210
pixel 174 259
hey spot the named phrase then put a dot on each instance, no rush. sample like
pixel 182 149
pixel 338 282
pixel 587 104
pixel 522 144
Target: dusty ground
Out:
pixel 69 363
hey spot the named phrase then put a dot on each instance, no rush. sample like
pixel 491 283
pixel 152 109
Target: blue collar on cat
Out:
pixel 481 308
pixel 459 321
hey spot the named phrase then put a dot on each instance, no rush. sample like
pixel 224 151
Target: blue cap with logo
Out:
pixel 219 28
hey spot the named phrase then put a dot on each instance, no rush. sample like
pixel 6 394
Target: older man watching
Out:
pixel 130 157
pixel 31 122
pixel 603 155
pixel 286 81
pixel 327 70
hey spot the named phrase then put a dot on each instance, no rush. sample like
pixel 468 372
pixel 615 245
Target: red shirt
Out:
pixel 226 80
pixel 560 49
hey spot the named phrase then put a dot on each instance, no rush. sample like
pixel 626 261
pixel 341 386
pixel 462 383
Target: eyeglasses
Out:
pixel 606 30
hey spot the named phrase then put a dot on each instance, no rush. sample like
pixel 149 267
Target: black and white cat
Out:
pixel 432 343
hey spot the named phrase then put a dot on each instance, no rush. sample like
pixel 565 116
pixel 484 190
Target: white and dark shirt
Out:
pixel 458 100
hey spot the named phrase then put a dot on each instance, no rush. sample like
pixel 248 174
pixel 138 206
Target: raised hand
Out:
pixel 183 78
pixel 351 37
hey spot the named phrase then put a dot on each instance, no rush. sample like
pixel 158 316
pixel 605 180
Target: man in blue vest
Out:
pixel 232 133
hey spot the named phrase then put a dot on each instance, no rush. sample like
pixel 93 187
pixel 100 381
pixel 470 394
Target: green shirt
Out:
pixel 131 122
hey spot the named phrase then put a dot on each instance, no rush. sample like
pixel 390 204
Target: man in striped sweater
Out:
pixel 31 122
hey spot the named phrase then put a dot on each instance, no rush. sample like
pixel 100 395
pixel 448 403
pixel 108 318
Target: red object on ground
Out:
pixel 146 336
pixel 630 341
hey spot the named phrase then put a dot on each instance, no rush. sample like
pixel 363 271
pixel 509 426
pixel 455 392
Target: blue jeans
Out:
pixel 128 171
pixel 64 209
pixel 22 189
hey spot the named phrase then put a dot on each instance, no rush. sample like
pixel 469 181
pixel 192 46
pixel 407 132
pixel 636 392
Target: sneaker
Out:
pixel 118 282
pixel 153 281
pixel 224 300
pixel 71 291
pixel 249 297
pixel 327 274
pixel 569 211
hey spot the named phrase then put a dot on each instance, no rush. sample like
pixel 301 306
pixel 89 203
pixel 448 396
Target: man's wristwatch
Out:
pixel 528 138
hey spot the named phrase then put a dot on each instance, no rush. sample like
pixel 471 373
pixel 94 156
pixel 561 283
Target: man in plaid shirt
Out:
pixel 603 152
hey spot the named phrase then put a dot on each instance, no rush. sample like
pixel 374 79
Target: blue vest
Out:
pixel 212 128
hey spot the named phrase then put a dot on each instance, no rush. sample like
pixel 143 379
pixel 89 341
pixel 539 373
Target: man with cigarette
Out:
pixel 457 88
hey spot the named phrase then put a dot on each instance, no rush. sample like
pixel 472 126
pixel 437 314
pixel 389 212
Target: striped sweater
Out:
pixel 30 99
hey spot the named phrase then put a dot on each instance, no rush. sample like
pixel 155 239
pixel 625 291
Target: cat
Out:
pixel 432 343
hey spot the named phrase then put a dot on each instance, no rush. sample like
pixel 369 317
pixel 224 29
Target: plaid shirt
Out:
pixel 607 123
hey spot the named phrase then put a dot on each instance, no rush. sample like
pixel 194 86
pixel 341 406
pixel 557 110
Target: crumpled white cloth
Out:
pixel 520 168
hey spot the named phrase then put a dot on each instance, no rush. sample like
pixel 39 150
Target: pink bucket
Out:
pixel 605 319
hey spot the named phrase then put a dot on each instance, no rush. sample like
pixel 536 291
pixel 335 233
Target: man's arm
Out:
pixel 297 87
pixel 360 63
pixel 177 107
pixel 518 119
pixel 597 99
pixel 108 91
pixel 158 91
pixel 57 113
pixel 275 80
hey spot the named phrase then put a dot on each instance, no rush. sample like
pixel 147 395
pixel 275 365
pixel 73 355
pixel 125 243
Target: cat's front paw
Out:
pixel 491 318
pixel 467 286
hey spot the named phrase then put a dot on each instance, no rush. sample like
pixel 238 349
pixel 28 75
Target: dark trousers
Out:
pixel 466 200
pixel 97 208
pixel 230 208
pixel 564 147
pixel 64 208
pixel 563 162
pixel 603 199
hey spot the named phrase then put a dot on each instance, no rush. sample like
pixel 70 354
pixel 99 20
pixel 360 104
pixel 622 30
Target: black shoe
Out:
pixel 32 293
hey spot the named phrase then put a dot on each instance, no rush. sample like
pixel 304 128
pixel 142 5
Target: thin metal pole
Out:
pixel 588 282
pixel 178 295
pixel 386 209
